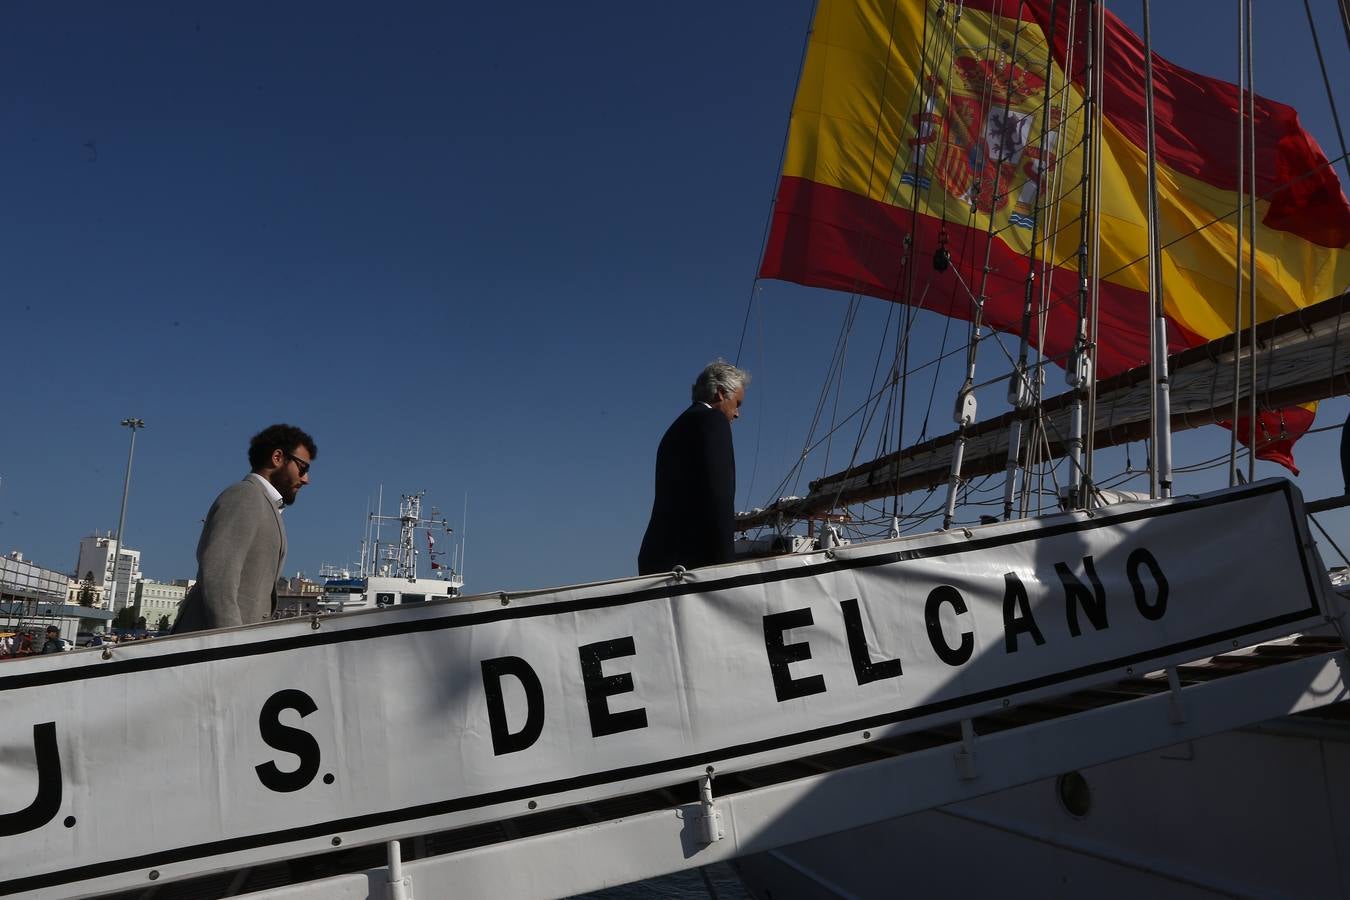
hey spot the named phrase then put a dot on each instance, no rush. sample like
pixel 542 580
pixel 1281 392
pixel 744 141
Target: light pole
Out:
pixel 134 425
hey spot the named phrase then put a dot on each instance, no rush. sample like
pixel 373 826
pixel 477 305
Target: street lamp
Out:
pixel 134 425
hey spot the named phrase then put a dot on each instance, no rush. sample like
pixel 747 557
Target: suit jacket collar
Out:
pixel 273 495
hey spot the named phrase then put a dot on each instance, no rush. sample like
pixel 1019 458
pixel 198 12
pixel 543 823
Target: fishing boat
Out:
pixel 877 690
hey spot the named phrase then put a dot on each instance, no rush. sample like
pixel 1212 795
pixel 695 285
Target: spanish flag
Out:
pixel 961 128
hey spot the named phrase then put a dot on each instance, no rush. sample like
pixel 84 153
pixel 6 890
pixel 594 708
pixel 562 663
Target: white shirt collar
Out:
pixel 273 494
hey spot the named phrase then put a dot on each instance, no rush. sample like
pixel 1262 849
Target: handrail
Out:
pixel 1326 503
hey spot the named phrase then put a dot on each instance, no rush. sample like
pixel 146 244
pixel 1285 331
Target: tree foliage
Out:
pixel 87 593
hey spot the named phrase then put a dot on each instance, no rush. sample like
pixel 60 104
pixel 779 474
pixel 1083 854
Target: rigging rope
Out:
pixel 773 192
pixel 1331 98
pixel 937 39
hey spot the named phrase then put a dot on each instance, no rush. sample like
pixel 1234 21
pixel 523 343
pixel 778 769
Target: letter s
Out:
pixel 289 740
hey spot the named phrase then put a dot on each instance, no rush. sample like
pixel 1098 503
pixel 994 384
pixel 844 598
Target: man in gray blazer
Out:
pixel 243 543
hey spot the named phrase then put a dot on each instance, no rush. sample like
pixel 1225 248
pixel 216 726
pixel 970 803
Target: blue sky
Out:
pixel 477 250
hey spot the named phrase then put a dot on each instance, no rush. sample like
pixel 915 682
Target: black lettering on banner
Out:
pixel 288 740
pixel 599 687
pixel 503 741
pixel 952 656
pixel 1017 617
pixel 1155 610
pixel 864 669
pixel 785 687
pixel 47 802
pixel 1076 594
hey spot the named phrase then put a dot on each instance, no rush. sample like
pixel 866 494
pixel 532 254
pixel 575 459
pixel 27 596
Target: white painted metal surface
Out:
pixel 1242 814
pixel 291 738
pixel 760 820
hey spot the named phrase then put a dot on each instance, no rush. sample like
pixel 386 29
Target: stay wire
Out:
pixel 1313 519
pixel 900 395
pixel 837 359
pixel 777 178
pixel 1331 98
pixel 840 342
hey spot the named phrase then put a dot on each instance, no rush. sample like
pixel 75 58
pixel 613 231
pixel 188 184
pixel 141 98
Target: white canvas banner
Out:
pixel 201 752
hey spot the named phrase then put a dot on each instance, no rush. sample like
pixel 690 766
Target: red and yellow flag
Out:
pixel 965 133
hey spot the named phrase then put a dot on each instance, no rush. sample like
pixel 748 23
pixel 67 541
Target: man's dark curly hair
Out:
pixel 277 437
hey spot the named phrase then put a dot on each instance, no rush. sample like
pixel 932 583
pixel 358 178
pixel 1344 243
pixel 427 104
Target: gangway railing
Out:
pixel 551 742
pixel 592 846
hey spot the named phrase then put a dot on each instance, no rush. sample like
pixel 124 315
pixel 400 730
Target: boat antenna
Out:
pixel 463 536
pixel 375 549
pixel 365 539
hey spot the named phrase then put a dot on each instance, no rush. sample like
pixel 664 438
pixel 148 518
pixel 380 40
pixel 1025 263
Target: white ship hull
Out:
pixel 544 744
pixel 1255 812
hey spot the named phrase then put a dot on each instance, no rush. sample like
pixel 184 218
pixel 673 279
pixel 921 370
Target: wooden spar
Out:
pixel 1305 361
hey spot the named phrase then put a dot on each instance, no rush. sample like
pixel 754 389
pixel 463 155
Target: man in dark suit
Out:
pixel 693 514
pixel 1345 454
pixel 243 543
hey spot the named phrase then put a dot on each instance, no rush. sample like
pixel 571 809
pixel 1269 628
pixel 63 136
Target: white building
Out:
pixel 155 600
pixel 97 553
pixel 23 580
pixel 75 588
pixel 32 597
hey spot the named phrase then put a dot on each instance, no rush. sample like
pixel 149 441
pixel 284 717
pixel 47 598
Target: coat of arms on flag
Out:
pixel 983 135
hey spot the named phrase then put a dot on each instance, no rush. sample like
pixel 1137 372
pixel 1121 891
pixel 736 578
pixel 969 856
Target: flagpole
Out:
pixel 134 424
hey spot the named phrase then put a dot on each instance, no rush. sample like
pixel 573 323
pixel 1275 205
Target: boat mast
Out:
pixel 1251 244
pixel 1237 268
pixel 1093 215
pixel 1021 394
pixel 1078 370
pixel 404 555
pixel 966 406
pixel 409 518
pixel 1160 461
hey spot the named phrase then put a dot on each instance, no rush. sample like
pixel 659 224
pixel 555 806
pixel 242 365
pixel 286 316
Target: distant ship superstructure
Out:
pixel 388 573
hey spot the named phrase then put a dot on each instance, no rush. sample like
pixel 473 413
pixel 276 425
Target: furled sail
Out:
pixel 1303 359
pixel 927 126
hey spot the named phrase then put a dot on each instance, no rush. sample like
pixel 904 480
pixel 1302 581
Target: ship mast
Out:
pixel 400 560
pixel 1080 371
pixel 1160 460
pixel 966 407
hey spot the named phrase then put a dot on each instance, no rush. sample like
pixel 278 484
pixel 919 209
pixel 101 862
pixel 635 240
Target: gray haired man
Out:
pixel 693 513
